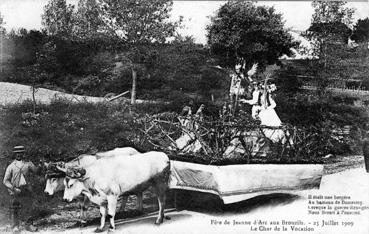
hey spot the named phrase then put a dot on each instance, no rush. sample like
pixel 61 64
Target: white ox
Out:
pixel 54 182
pixel 108 178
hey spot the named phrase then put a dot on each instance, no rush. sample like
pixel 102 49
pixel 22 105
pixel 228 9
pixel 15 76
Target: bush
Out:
pixel 307 110
pixel 64 130
pixel 216 133
pixel 287 81
pixel 88 85
pixel 331 113
pixel 365 84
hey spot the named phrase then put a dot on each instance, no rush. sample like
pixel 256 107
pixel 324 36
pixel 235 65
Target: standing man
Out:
pixel 17 180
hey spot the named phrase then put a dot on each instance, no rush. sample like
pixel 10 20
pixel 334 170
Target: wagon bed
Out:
pixel 235 183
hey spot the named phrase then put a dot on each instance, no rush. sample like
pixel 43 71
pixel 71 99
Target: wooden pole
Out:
pixel 118 96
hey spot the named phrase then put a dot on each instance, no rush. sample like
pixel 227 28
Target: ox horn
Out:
pixel 76 172
pixel 81 172
pixel 61 167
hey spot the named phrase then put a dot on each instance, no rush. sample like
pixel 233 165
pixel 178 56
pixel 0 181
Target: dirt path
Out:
pixel 11 93
pixel 342 163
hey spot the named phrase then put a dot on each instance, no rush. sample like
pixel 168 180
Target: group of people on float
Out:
pixel 263 104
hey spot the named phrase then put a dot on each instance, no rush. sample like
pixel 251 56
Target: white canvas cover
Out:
pixel 235 183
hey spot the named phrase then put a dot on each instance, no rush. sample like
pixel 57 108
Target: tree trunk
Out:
pixel 366 154
pixel 134 86
pixel 34 98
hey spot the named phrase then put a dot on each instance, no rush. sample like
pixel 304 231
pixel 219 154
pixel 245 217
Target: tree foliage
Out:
pixel 243 32
pixel 25 45
pixel 330 25
pixel 88 20
pixel 138 23
pixel 2 23
pixel 58 18
pixel 328 35
pixel 179 63
pixel 331 12
pixel 361 31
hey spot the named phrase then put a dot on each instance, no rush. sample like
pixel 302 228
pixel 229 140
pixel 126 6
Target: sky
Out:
pixel 297 14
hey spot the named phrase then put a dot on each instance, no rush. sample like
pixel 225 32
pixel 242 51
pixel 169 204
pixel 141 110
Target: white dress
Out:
pixel 268 117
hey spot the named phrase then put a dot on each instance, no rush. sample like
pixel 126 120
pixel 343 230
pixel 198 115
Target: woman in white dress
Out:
pixel 267 114
pixel 263 109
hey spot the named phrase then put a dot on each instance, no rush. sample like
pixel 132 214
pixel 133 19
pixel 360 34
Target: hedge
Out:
pixel 63 130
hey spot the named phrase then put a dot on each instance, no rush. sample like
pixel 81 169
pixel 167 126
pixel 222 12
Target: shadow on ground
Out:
pixel 65 215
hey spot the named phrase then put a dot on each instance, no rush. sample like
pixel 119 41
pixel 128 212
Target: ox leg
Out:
pixel 83 215
pixel 139 201
pixel 112 206
pixel 102 221
pixel 161 200
pixel 124 202
pixel 160 192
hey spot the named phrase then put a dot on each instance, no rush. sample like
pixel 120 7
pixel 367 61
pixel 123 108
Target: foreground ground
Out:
pixel 353 183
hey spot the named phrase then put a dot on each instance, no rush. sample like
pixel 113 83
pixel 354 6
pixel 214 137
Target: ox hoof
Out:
pixel 167 218
pixel 98 230
pixel 111 230
pixel 158 222
pixel 83 223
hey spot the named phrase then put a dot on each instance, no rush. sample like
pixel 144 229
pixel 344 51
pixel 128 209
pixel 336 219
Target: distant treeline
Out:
pixel 98 66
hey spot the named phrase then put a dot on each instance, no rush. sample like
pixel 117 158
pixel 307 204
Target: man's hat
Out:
pixel 19 149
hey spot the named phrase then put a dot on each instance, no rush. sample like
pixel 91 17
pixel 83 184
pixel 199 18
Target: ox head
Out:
pixel 73 183
pixel 55 175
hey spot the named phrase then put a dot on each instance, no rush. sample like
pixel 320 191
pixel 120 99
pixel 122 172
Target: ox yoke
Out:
pixel 87 159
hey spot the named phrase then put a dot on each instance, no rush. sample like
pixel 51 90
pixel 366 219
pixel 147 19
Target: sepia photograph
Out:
pixel 184 117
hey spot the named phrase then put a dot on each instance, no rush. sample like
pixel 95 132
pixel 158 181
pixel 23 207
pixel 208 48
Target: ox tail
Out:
pixel 163 177
pixel 166 173
pixel 161 180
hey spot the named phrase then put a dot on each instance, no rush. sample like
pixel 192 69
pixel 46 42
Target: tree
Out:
pixel 137 23
pixel 212 79
pixel 361 31
pixel 2 35
pixel 26 45
pixel 242 32
pixel 2 22
pixel 328 35
pixel 330 24
pixel 58 18
pixel 88 21
pixel 179 63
